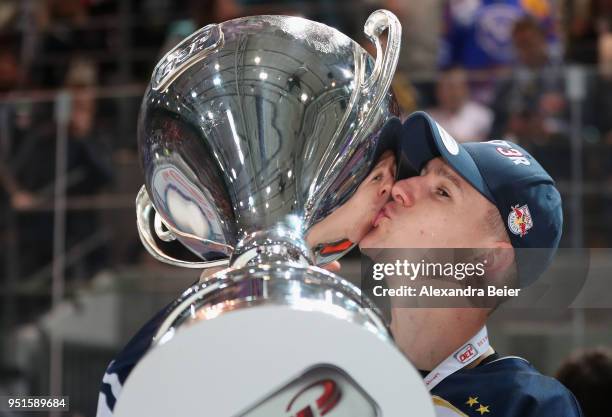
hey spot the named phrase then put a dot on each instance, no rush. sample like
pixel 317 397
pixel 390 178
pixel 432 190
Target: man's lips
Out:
pixel 383 213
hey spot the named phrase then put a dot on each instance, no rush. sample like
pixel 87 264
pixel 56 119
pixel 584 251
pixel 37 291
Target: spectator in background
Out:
pixel 10 79
pixel 65 32
pixel 15 117
pixel 418 63
pixel 465 119
pixel 529 105
pixel 598 111
pixel 598 120
pixel 585 22
pixel 10 74
pixel 15 121
pixel 88 172
pixel 588 375
pixel 89 166
pixel 478 36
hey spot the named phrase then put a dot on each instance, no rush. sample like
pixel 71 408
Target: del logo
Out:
pixel 519 220
pixel 466 353
pixel 329 398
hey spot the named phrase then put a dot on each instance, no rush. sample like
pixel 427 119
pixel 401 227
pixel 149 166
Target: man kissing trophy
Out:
pixel 252 132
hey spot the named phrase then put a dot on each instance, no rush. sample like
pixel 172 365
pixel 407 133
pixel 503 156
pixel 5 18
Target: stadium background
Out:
pixel 75 282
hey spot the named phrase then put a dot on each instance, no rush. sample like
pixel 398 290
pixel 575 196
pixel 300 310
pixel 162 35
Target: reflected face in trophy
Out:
pixel 354 219
pixel 437 209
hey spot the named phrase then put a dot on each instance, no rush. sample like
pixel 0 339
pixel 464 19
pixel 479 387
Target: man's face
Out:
pixel 353 219
pixel 370 197
pixel 437 209
pixel 83 113
pixel 452 90
pixel 530 47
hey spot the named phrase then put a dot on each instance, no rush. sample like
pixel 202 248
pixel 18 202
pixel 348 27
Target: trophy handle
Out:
pixel 384 67
pixel 144 211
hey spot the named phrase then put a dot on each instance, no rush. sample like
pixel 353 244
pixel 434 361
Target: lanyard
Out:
pixel 466 354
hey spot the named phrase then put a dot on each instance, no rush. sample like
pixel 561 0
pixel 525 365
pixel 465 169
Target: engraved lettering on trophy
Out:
pixel 184 55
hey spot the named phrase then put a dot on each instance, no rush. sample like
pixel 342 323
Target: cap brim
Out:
pixel 423 139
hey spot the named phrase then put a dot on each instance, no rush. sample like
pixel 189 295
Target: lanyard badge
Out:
pixel 462 357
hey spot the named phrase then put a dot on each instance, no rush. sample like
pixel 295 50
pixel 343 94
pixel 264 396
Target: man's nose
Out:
pixel 406 191
pixel 385 187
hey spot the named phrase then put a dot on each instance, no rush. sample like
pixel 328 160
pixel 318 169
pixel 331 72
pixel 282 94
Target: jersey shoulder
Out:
pixel 120 368
pixel 138 345
pixel 507 387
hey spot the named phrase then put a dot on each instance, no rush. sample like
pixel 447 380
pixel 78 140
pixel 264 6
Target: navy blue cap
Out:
pixel 506 175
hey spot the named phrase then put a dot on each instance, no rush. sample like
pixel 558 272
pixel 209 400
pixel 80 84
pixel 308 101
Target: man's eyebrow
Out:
pixel 442 171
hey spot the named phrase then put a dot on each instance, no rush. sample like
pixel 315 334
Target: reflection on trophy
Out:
pixel 255 135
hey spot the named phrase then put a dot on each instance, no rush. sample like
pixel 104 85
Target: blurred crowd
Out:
pixel 538 72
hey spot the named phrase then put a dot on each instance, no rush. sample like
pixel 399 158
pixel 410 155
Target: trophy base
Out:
pixel 275 360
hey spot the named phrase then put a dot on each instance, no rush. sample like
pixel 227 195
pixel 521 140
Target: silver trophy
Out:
pixel 253 132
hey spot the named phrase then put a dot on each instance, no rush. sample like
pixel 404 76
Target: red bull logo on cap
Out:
pixel 519 220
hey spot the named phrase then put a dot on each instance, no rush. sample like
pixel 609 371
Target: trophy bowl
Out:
pixel 256 129
pixel 252 132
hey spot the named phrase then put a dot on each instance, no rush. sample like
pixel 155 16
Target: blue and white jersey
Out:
pixel 119 369
pixel 497 387
pixel 503 387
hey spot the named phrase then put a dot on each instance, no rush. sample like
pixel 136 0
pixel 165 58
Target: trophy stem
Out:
pixel 280 243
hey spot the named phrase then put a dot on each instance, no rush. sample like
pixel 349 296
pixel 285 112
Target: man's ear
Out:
pixel 500 258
